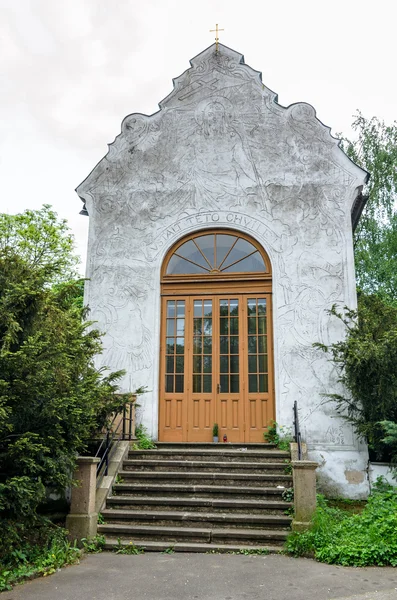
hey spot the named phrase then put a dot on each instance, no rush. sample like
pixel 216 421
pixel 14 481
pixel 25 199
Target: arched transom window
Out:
pixel 210 253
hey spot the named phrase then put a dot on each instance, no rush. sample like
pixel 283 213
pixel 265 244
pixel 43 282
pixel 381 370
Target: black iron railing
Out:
pixel 121 428
pixel 298 437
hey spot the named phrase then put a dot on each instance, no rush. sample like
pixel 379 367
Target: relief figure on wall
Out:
pixel 305 320
pixel 218 167
pixel 118 313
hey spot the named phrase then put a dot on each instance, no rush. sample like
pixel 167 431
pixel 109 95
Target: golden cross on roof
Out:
pixel 216 36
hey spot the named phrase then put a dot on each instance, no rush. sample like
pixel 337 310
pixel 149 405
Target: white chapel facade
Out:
pixel 220 235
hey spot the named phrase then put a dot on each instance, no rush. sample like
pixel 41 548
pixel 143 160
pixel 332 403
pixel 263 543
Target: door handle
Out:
pixel 218 388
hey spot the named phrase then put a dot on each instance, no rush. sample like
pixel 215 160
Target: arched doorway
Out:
pixel 216 351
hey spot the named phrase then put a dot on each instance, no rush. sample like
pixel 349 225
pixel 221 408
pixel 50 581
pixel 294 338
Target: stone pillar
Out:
pixel 82 521
pixel 304 477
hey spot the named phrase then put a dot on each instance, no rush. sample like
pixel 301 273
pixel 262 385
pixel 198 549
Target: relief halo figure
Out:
pixel 218 166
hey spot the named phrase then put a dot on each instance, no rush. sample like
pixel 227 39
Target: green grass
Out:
pixel 38 550
pixel 340 536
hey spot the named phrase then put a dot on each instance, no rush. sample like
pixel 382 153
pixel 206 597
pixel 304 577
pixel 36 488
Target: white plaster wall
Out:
pixel 222 153
pixel 385 470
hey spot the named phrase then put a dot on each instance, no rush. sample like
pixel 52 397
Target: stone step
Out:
pixel 191 518
pixel 232 505
pixel 194 534
pixel 156 546
pixel 202 465
pixel 242 455
pixel 203 490
pixel 210 478
pixel 219 446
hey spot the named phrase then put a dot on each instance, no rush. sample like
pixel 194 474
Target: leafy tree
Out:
pixel 376 235
pixel 52 398
pixel 367 361
pixel 42 241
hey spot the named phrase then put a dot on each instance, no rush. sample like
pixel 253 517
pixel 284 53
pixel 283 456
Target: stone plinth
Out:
pixel 82 520
pixel 304 477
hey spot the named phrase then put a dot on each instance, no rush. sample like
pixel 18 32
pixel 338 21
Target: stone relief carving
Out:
pixel 304 320
pixel 118 312
pixel 331 436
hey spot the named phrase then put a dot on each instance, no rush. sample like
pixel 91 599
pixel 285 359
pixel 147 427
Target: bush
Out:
pixel 359 540
pixel 38 549
pixel 144 441
pixel 52 398
pixel 367 361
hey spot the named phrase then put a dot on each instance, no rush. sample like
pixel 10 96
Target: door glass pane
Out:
pixel 207 364
pixel 202 346
pixel 252 366
pixel 257 345
pixel 197 323
pixel 239 251
pixel 198 308
pixel 233 307
pixel 223 246
pixel 208 308
pixel 251 324
pixel 197 345
pixel 170 346
pixel 234 344
pixel 262 306
pixel 197 364
pixel 189 250
pixel 224 367
pixel 262 343
pixel 252 383
pixel 171 308
pixel 180 345
pixel 224 323
pixel 229 345
pixel 175 346
pixel 263 383
pixel 224 345
pixel 169 383
pixel 224 384
pixel 178 265
pixel 234 326
pixel 207 322
pixel 178 383
pixel 234 384
pixel 206 243
pixel 207 384
pixel 251 304
pixel 263 363
pixel 197 384
pixel 253 263
pixel 262 325
pixel 252 344
pixel 180 326
pixel 234 364
pixel 207 348
pixel 170 361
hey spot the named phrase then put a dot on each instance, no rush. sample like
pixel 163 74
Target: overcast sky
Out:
pixel 70 70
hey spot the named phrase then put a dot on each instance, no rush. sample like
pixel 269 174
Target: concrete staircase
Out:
pixel 200 498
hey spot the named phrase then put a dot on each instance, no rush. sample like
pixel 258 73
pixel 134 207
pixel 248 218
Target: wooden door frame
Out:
pixel 218 284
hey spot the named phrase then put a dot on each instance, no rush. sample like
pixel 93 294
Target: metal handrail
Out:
pixel 123 431
pixel 298 437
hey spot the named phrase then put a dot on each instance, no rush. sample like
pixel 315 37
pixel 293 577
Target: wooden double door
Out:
pixel 216 367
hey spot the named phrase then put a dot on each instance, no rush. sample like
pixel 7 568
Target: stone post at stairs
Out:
pixel 304 478
pixel 82 521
